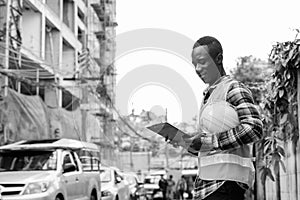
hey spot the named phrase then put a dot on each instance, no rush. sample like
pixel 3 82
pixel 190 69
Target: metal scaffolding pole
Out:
pixel 4 41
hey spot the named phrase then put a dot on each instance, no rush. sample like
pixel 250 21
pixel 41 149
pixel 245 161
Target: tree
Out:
pixel 254 73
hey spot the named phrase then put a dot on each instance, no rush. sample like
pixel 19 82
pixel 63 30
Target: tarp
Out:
pixel 28 117
pixel 94 131
pixel 69 124
pixel 24 117
pixel 65 124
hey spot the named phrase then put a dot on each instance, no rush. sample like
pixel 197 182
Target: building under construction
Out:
pixel 57 70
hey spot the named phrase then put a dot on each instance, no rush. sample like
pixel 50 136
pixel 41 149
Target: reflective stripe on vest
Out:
pixel 226 158
pixel 228 171
pixel 227 166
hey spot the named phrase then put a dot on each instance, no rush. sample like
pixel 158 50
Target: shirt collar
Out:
pixel 214 85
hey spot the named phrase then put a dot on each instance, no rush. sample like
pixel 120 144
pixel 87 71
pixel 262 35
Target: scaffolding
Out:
pixel 106 12
pixel 10 37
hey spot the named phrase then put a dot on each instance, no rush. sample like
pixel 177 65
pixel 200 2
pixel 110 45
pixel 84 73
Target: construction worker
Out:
pixel 225 164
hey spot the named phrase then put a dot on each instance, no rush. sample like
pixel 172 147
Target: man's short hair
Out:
pixel 214 46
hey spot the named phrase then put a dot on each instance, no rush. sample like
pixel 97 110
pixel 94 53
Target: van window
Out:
pixel 75 160
pixel 17 160
pixel 69 159
pixel 90 160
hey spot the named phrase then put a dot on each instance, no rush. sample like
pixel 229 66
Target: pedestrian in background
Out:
pixel 181 187
pixel 170 188
pixel 190 187
pixel 163 185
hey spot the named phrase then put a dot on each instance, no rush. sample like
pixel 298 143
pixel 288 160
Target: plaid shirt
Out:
pixel 249 130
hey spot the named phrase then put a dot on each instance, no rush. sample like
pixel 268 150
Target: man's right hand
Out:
pixel 202 142
pixel 193 144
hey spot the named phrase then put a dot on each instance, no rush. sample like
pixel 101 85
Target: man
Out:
pixel 225 163
pixel 181 187
pixel 163 184
pixel 170 190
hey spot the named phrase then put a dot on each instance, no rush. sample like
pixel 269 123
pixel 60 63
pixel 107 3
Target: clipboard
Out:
pixel 170 132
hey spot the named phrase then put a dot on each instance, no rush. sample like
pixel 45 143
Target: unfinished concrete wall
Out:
pixel 53 47
pixel 69 14
pixel 31 25
pixel 55 6
pixel 69 60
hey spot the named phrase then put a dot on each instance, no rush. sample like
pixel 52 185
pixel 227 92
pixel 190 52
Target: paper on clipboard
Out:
pixel 170 132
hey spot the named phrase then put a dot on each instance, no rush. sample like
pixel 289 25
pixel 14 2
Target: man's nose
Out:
pixel 198 67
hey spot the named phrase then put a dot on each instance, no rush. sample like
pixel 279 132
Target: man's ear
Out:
pixel 219 58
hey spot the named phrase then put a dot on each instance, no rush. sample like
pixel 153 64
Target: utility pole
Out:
pixel 83 111
pixel 84 91
pixel 131 149
pixel 149 159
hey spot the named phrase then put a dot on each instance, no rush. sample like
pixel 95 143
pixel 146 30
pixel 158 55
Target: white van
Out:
pixel 54 169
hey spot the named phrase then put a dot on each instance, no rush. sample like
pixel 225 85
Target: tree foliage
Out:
pixel 280 109
pixel 254 73
pixel 282 101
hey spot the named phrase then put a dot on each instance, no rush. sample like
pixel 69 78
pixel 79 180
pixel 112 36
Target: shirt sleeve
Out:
pixel 250 128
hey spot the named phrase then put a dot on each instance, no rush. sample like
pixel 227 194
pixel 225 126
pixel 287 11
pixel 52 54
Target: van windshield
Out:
pixel 27 160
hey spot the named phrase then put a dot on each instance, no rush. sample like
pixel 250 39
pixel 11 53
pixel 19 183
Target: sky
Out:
pixel 154 39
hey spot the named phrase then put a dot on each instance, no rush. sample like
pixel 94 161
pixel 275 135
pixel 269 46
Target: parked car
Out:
pixel 136 188
pixel 113 185
pixel 48 169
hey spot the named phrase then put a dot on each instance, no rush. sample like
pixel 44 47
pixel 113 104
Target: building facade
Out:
pixel 61 53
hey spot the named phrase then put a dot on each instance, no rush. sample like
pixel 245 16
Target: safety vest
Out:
pixel 234 164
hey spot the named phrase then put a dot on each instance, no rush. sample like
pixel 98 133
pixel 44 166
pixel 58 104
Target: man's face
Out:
pixel 205 66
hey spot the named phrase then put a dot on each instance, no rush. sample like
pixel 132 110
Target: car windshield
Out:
pixel 27 160
pixel 105 175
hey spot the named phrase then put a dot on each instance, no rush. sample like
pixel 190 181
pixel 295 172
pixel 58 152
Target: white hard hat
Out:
pixel 218 117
